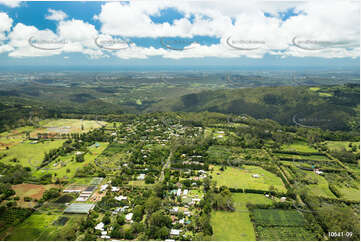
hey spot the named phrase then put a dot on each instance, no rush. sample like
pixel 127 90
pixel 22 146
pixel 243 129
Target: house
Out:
pixel 256 176
pixel 185 192
pixel 115 189
pixel 103 187
pixel 175 232
pixel 129 216
pixel 141 177
pixel 120 198
pixel 174 210
pixel 179 192
pixel 283 199
pixel 99 226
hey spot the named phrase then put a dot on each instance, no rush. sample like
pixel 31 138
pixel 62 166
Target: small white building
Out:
pixel 115 189
pixel 185 192
pixel 256 176
pixel 141 177
pixel 174 210
pixel 120 198
pixel 103 187
pixel 175 232
pixel 99 226
pixel 179 192
pixel 129 216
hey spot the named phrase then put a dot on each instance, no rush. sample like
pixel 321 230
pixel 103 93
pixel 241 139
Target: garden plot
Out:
pixel 277 217
pixel 248 177
pixel 279 224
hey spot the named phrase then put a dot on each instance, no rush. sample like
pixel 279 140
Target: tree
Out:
pixel 121 219
pixel 138 213
pixel 153 204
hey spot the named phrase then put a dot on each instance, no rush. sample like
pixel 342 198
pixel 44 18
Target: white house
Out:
pixel 103 187
pixel 115 189
pixel 175 232
pixel 179 192
pixel 120 198
pixel 141 177
pixel 129 216
pixel 99 226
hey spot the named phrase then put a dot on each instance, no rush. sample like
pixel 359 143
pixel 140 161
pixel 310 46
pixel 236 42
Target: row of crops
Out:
pixel 280 224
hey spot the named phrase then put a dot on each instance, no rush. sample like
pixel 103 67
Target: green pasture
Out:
pixel 299 146
pixel 31 154
pixel 242 178
pixel 236 226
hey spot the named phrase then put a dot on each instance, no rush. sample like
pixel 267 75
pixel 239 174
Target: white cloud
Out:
pixel 336 21
pixel 5 25
pixel 56 15
pixel 19 41
pixel 11 3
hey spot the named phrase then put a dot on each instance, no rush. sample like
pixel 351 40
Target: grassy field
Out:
pixel 72 165
pixel 67 126
pixel 304 157
pixel 242 178
pixel 14 137
pixel 299 146
pixel 31 154
pixel 320 189
pixel 338 145
pixel 236 226
pixel 349 193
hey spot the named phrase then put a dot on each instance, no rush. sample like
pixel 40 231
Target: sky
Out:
pixel 203 33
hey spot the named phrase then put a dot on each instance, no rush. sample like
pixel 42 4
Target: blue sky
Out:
pixel 181 33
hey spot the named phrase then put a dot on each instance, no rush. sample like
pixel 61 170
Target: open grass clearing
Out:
pixel 31 154
pixel 321 188
pixel 236 226
pixel 243 178
pixel 299 146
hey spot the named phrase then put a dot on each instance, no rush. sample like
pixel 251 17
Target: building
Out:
pixel 175 232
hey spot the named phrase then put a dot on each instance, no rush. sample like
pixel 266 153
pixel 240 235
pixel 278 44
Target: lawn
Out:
pixel 242 178
pixel 31 154
pixel 236 226
pixel 299 146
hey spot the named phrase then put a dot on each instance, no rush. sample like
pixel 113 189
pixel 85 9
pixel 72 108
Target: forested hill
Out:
pixel 330 107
